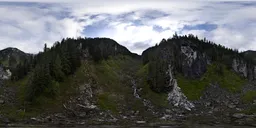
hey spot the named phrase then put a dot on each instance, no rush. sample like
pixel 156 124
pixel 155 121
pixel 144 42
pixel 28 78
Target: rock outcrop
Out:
pixel 118 89
pixel 5 74
pixel 194 63
pixel 11 57
pixel 244 68
pixel 176 97
pixel 189 58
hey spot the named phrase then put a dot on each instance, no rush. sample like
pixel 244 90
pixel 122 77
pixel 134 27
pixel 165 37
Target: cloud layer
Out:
pixel 136 25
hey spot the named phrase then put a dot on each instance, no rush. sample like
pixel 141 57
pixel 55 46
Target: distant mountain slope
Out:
pixel 192 64
pixel 250 55
pixel 10 57
pixel 104 47
pixel 98 81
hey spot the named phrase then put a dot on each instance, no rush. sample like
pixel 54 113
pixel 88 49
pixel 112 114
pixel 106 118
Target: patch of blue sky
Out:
pixel 206 26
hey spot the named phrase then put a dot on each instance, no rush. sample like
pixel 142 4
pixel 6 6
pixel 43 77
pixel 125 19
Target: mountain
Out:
pixel 183 81
pixel 250 55
pixel 186 67
pixel 190 57
pixel 10 57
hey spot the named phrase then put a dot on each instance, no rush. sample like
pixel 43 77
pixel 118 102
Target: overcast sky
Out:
pixel 136 25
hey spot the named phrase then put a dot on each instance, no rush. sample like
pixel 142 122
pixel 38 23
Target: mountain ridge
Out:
pixel 92 79
pixel 17 49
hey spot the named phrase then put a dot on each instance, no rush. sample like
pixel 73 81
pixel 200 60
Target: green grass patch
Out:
pixel 69 87
pixel 12 113
pixel 107 101
pixel 109 77
pixel 250 110
pixel 193 89
pixel 113 79
pixel 216 73
pixel 249 96
pixel 158 99
pixel 106 74
pixel 22 109
pixel 112 74
pixel 20 86
pixel 5 62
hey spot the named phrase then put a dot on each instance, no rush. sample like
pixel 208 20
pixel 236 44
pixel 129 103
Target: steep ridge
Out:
pixel 251 55
pixel 182 80
pixel 10 57
pixel 191 71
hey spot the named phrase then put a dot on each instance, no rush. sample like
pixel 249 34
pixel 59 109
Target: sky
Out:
pixel 28 25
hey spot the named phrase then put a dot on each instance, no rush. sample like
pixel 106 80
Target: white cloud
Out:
pixel 29 27
pixel 128 35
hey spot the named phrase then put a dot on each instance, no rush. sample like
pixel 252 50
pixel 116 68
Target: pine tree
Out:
pixel 40 83
pixel 65 64
pixel 56 69
pixel 45 47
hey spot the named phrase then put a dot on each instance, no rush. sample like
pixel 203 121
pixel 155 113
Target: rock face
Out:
pixel 178 57
pixel 5 74
pixel 240 67
pixel 238 115
pixel 190 59
pixel 105 46
pixel 216 96
pixel 1 101
pixel 193 63
pixel 176 97
pixel 183 56
pixel 10 57
pixel 244 69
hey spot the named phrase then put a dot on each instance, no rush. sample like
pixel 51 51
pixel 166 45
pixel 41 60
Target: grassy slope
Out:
pixel 193 88
pixel 67 88
pixel 113 79
pixel 4 63
pixel 21 109
pixel 158 99
pixel 249 96
pixel 114 90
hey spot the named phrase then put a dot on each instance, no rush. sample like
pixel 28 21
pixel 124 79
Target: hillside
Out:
pixel 250 55
pixel 10 60
pixel 182 80
pixel 10 57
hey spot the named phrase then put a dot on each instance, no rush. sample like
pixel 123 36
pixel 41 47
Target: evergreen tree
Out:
pixel 65 64
pixel 40 84
pixel 56 69
pixel 45 47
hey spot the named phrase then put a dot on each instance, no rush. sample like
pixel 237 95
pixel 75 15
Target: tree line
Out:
pixel 47 69
pixel 167 52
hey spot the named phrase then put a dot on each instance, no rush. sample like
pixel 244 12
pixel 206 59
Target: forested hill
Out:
pixel 96 80
pixel 251 55
pixel 186 54
pixel 190 56
pixel 10 57
pixel 51 66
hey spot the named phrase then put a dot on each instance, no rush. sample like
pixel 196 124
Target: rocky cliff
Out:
pixel 197 64
pixel 5 74
pixel 10 57
pixel 181 80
